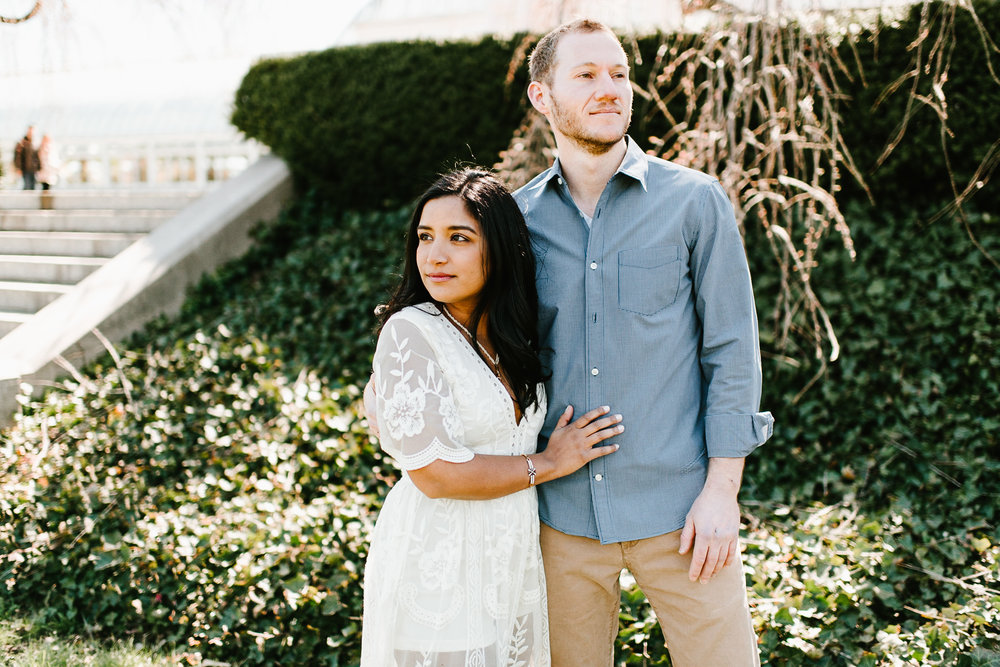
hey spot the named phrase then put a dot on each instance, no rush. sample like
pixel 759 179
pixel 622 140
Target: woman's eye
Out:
pixel 458 238
pixel 424 236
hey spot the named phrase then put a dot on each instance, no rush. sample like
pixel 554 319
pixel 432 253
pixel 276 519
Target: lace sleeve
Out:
pixel 415 408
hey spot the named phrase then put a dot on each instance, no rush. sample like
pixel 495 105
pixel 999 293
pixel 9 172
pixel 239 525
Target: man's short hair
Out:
pixel 542 60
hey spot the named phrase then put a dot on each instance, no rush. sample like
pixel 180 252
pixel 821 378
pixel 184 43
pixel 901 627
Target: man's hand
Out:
pixel 370 406
pixel 712 525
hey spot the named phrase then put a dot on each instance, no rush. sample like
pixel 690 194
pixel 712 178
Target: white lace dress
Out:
pixel 450 583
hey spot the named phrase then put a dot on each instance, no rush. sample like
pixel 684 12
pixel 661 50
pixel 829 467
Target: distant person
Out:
pixel 26 162
pixel 48 158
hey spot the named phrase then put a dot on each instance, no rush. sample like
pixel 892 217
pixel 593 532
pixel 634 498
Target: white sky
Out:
pixel 109 50
pixel 84 34
pixel 80 57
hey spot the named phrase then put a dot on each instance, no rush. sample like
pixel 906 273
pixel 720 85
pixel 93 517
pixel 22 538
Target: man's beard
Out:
pixel 570 127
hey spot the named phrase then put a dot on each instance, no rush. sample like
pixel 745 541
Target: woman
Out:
pixel 454 575
pixel 48 174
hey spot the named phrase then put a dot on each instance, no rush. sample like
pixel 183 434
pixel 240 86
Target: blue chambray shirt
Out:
pixel 649 310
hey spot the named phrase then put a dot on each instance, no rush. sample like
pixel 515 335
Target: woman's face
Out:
pixel 451 255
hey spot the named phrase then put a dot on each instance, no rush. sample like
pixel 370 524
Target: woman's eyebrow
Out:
pixel 452 228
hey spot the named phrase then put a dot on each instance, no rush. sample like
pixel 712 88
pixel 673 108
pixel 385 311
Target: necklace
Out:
pixel 495 362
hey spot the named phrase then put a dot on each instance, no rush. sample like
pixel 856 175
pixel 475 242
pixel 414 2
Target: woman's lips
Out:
pixel 439 277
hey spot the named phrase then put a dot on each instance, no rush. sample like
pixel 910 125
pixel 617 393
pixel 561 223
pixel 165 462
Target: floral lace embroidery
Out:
pixel 404 411
pixel 404 408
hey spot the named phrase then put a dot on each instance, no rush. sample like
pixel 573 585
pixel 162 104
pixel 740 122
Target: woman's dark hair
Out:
pixel 508 298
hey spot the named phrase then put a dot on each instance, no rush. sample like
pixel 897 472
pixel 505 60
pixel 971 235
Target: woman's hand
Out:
pixel 494 475
pixel 571 445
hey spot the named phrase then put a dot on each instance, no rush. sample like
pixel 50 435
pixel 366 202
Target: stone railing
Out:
pixel 154 161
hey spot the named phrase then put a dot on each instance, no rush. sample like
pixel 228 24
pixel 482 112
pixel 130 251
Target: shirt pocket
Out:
pixel 648 278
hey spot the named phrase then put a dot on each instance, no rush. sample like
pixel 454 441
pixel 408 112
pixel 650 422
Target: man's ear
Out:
pixel 538 93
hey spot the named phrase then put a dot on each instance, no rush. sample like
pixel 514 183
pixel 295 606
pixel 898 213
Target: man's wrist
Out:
pixel 725 475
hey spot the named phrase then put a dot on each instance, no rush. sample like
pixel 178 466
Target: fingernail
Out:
pixel 618 418
pixel 616 447
pixel 619 428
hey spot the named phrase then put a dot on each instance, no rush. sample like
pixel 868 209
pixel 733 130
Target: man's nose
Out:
pixel 606 88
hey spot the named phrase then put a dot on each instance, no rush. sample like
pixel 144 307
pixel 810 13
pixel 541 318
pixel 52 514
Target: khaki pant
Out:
pixel 705 625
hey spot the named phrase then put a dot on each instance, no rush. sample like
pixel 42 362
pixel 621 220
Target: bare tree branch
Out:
pixel 938 35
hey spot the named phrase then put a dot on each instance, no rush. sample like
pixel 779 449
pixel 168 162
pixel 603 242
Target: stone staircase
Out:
pixel 51 241
pixel 87 260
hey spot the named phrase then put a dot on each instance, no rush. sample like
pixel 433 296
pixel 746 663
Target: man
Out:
pixel 26 160
pixel 645 304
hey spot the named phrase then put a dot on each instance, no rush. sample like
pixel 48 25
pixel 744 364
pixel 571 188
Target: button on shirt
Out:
pixel 649 310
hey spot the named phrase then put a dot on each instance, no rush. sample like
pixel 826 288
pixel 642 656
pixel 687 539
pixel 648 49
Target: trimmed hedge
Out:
pixel 372 125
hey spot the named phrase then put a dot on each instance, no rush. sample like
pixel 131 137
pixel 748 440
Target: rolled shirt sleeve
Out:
pixel 736 436
pixel 730 343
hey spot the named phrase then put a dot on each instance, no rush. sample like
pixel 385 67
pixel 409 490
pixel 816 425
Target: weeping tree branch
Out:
pixel 761 115
pixel 930 68
pixel 21 19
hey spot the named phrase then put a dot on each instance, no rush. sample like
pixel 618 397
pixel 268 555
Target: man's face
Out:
pixel 590 98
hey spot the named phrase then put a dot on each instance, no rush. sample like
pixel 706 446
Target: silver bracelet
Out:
pixel 531 470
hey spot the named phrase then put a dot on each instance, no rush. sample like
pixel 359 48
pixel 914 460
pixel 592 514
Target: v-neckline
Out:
pixel 510 401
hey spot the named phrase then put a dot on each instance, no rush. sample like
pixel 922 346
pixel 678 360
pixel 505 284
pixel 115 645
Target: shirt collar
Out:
pixel 634 165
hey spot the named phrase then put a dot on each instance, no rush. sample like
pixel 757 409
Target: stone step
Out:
pixel 98 199
pixel 95 220
pixel 75 244
pixel 48 269
pixel 11 321
pixel 25 297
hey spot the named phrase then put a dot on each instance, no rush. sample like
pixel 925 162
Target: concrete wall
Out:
pixel 147 279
